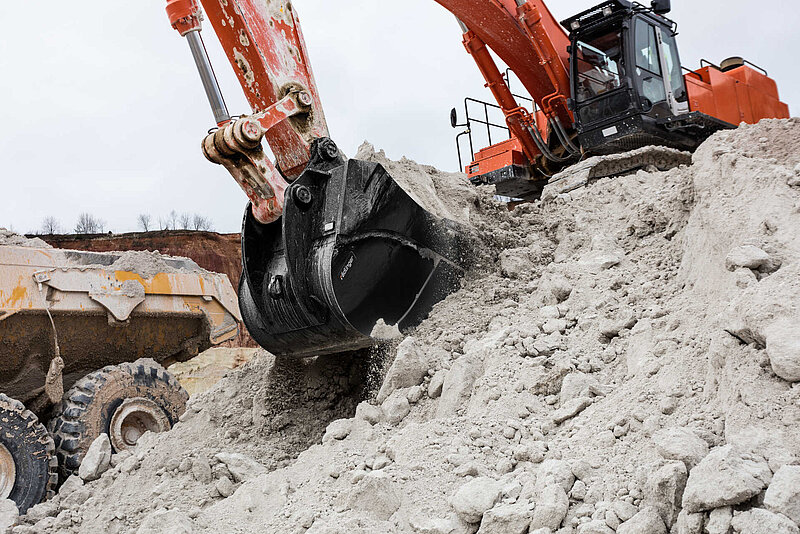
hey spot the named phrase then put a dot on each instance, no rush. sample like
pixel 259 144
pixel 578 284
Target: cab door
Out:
pixel 674 82
pixel 648 71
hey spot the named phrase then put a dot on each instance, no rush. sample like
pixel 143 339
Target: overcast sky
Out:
pixel 103 110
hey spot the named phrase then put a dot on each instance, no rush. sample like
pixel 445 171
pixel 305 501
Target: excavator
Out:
pixel 331 246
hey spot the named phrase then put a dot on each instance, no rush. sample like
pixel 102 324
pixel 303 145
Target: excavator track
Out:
pixel 597 167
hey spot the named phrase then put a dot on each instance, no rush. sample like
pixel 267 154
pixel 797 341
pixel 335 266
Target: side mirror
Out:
pixel 661 7
pixel 454 118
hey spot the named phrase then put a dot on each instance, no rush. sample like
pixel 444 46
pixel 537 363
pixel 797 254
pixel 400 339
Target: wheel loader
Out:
pixel 102 327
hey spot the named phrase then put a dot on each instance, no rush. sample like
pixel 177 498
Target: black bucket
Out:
pixel 351 248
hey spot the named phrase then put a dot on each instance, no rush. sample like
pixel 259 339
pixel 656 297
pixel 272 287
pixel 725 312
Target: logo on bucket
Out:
pixel 351 259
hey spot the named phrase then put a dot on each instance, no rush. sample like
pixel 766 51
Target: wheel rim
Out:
pixel 132 419
pixel 8 472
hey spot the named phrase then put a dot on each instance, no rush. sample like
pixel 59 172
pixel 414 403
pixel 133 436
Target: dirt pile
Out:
pixel 148 264
pixel 444 194
pixel 8 237
pixel 144 263
pixel 630 363
pixel 207 368
pixel 219 253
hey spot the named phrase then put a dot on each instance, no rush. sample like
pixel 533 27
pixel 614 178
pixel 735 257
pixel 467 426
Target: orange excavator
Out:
pixel 331 246
pixel 604 81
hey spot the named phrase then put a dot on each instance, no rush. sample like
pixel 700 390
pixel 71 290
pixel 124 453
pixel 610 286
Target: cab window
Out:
pixel 599 66
pixel 647 48
pixel 675 75
pixel 648 65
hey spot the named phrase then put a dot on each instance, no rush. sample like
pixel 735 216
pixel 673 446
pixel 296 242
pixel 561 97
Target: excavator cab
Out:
pixel 628 89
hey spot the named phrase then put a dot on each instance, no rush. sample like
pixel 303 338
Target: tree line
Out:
pixel 90 224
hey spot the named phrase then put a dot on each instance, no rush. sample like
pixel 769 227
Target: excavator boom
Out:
pixel 527 38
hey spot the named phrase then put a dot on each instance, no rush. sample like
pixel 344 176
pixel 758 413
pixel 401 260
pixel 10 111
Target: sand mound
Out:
pixel 629 363
pixel 13 239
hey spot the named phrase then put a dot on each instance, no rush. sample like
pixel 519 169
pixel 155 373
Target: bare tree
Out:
pixel 144 222
pixel 185 221
pixel 202 223
pixel 88 224
pixel 163 224
pixel 173 220
pixel 50 226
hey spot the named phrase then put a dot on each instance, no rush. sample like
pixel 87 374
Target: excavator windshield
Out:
pixel 599 63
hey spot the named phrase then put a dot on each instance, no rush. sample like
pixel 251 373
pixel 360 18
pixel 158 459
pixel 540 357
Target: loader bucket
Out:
pixel 351 248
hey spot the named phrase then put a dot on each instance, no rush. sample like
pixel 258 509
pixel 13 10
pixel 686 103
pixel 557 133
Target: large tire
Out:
pixel 28 444
pixel 90 406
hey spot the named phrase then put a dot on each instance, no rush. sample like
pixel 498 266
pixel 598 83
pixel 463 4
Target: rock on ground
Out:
pixel 783 494
pixel 475 498
pixel 551 508
pixel 410 366
pixel 723 478
pixel 664 490
pixel 746 256
pixel 458 383
pixel 97 459
pixel 719 521
pixel 396 408
pixel 648 521
pixel 759 521
pixel 8 513
pixel 507 519
pixel 376 495
pixel 783 349
pixel 680 444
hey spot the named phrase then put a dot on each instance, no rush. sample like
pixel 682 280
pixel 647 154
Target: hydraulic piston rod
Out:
pixel 186 17
pixel 210 84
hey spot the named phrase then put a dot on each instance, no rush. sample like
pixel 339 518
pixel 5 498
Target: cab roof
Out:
pixel 611 9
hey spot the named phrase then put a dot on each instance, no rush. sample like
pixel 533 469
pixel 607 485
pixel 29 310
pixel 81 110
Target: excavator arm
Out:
pixel 264 44
pixel 527 38
pixel 332 246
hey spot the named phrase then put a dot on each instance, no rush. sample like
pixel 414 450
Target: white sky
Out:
pixel 103 110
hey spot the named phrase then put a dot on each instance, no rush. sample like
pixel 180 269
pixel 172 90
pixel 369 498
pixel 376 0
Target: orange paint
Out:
pixel 18 295
pixel 160 284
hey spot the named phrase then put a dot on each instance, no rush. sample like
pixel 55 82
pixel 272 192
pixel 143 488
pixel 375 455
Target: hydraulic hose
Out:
pixel 563 137
pixel 543 148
